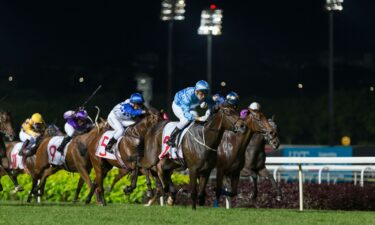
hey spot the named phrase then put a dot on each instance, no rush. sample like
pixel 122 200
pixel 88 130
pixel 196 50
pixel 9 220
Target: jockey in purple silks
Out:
pixel 255 106
pixel 76 123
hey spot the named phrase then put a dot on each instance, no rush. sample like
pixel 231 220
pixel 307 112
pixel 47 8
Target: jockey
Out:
pixel 253 107
pixel 76 123
pixel 123 115
pixel 232 99
pixel 31 130
pixel 218 99
pixel 184 105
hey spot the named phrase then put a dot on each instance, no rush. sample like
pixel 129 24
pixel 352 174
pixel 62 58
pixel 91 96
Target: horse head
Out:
pixel 272 137
pixel 52 130
pixel 230 119
pixel 258 122
pixel 6 125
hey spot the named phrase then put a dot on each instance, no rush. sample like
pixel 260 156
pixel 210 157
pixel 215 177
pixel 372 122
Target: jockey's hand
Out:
pixel 203 105
pixel 200 119
pixel 144 111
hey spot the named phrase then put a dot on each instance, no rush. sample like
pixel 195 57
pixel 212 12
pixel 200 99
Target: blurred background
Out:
pixel 54 54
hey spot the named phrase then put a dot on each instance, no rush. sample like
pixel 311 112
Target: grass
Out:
pixel 69 213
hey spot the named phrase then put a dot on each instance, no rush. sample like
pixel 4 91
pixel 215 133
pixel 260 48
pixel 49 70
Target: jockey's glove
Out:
pixel 203 105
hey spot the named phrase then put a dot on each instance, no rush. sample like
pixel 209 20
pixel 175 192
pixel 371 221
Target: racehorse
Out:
pixel 28 163
pixel 129 149
pixel 76 160
pixel 6 129
pixel 231 151
pixel 255 161
pixel 198 147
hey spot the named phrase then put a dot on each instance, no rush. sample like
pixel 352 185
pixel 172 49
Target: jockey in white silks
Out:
pixel 184 106
pixel 123 115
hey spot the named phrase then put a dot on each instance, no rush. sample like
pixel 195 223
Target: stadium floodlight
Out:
pixel 171 10
pixel 211 21
pixel 334 5
pixel 211 25
pixel 331 6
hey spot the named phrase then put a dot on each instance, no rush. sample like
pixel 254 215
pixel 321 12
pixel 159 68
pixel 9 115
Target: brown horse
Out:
pixel 28 163
pixel 231 151
pixel 76 160
pixel 199 150
pixel 128 150
pixel 6 129
pixel 255 161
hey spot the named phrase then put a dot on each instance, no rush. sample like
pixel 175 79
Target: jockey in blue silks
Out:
pixel 184 106
pixel 232 99
pixel 123 115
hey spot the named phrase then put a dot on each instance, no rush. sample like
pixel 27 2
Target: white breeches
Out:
pixel 180 115
pixel 69 130
pixel 24 136
pixel 118 125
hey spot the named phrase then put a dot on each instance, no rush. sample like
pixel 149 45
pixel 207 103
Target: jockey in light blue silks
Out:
pixel 184 106
pixel 123 115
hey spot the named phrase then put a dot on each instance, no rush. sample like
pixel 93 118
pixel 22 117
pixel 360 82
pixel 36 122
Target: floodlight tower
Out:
pixel 211 20
pixel 331 6
pixel 171 10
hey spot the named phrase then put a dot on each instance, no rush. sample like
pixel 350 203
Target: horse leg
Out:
pixel 101 172
pixel 121 174
pixel 33 189
pixel 128 190
pixel 264 173
pixel 172 188
pixel 193 186
pixel 78 190
pixel 161 175
pixel 13 176
pixel 202 187
pixel 254 192
pixel 219 187
pixel 150 192
pixel 48 172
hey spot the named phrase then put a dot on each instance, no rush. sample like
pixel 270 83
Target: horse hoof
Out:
pixel 279 198
pixel 149 203
pixel 170 201
pixel 216 203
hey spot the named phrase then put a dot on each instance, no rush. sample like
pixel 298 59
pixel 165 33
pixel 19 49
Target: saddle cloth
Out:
pixel 175 152
pixel 54 156
pixel 15 159
pixel 100 150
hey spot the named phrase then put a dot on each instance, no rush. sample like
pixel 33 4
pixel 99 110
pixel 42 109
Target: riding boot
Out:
pixel 172 138
pixel 24 148
pixel 111 142
pixel 63 143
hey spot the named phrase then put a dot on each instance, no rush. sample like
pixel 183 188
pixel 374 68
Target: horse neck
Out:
pixel 248 135
pixel 140 129
pixel 214 131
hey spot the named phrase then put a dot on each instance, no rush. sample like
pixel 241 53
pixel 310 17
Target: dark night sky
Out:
pixel 114 33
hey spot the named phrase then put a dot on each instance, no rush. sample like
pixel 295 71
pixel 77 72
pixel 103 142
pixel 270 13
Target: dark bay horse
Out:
pixel 199 149
pixel 255 161
pixel 128 149
pixel 231 151
pixel 6 129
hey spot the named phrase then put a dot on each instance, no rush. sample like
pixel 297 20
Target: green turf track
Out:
pixel 127 214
